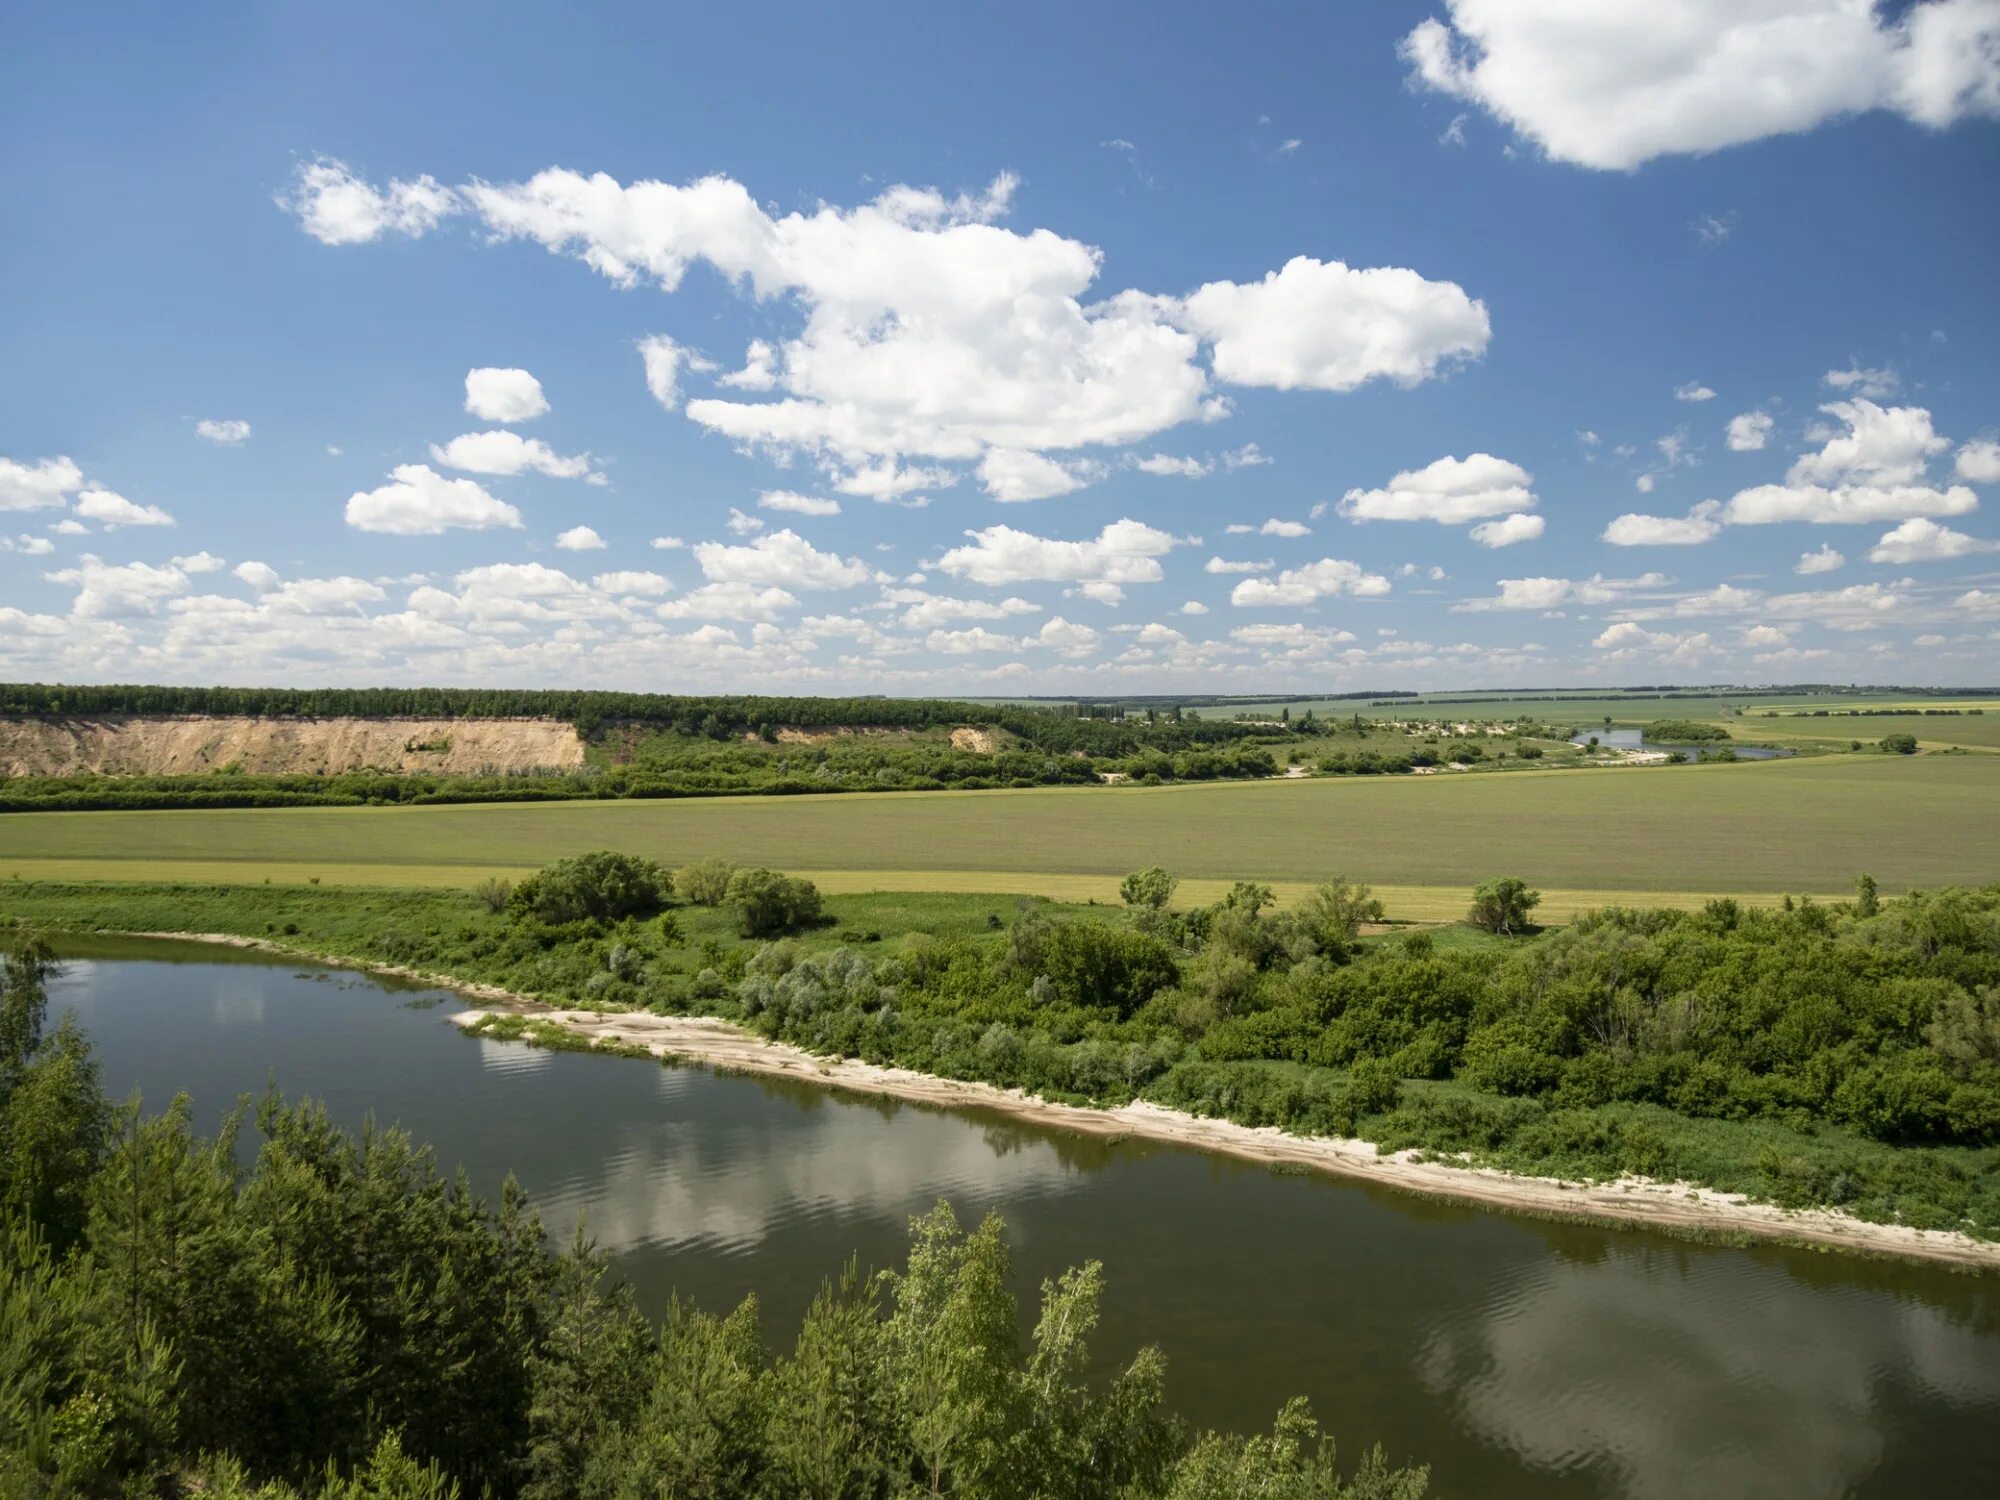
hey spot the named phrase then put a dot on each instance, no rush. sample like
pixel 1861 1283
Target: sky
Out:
pixel 1064 349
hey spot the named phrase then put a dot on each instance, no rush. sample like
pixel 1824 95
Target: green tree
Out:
pixel 706 881
pixel 1867 899
pixel 1332 913
pixel 768 904
pixel 1899 744
pixel 1502 906
pixel 604 886
pixel 1150 889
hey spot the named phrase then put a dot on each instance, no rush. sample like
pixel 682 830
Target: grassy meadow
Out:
pixel 1586 837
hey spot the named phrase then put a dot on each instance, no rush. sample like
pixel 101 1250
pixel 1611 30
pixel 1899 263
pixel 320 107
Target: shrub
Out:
pixel 1899 744
pixel 767 903
pixel 604 886
pixel 492 893
pixel 705 882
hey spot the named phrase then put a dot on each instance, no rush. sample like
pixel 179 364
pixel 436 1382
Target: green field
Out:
pixel 1803 826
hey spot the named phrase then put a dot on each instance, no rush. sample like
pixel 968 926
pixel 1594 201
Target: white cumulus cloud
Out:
pixel 1125 551
pixel 1450 491
pixel 1612 84
pixel 112 510
pixel 1919 540
pixel 1508 530
pixel 495 394
pixel 419 501
pixel 580 539
pixel 1697 526
pixel 1749 432
pixel 227 431
pixel 506 453
pixel 38 486
pixel 1822 559
pixel 1295 586
pixel 336 207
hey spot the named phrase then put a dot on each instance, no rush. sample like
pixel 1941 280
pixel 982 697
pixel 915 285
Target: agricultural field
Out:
pixel 1804 826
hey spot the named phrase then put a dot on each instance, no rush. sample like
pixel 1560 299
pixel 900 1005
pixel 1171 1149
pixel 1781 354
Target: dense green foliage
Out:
pixel 604 886
pixel 1683 731
pixel 1900 744
pixel 340 1319
pixel 1825 1054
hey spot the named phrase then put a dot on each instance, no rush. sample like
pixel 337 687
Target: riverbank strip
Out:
pixel 1673 1207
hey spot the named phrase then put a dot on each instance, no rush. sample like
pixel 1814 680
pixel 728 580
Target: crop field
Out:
pixel 1572 707
pixel 1970 731
pixel 1805 826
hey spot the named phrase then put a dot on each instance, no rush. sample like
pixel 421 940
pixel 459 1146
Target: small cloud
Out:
pixel 1863 380
pixel 1693 390
pixel 504 395
pixel 1824 560
pixel 1249 456
pixel 112 511
pixel 580 539
pixel 668 543
pixel 798 505
pixel 1713 229
pixel 1454 133
pixel 1287 147
pixel 227 431
pixel 743 525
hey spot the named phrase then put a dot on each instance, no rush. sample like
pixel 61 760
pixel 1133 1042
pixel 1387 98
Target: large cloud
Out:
pixel 503 452
pixel 504 395
pixel 419 501
pixel 1123 552
pixel 930 330
pixel 1613 84
pixel 784 559
pixel 1325 326
pixel 1450 491
pixel 1697 526
pixel 1918 540
pixel 1306 585
pixel 1873 471
pixel 38 486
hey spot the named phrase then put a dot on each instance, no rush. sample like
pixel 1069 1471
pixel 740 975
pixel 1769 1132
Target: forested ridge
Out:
pixel 339 1318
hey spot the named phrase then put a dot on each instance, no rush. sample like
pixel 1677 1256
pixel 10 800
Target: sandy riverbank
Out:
pixel 1673 1206
pixel 713 1042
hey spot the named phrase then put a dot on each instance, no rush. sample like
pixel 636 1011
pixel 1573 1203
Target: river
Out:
pixel 1518 1358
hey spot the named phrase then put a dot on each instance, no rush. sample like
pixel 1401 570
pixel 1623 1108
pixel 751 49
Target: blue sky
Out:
pixel 901 348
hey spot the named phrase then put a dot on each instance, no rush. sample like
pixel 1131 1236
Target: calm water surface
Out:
pixel 1519 1359
pixel 1635 739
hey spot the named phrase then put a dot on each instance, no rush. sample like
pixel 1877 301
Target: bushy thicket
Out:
pixel 1818 1054
pixel 341 1320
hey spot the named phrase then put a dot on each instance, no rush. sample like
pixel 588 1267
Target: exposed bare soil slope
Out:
pixel 276 747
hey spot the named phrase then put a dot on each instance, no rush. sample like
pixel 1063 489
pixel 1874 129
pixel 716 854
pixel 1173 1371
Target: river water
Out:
pixel 1517 1358
pixel 1635 739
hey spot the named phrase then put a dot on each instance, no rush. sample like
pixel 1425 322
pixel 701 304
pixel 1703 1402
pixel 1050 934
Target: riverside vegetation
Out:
pixel 338 1319
pixel 1822 1054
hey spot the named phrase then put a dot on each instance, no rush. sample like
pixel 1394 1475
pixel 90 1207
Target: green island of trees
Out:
pixel 341 1320
pixel 1683 732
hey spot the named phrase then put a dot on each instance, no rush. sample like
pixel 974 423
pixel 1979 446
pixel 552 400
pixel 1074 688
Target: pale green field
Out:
pixel 1800 826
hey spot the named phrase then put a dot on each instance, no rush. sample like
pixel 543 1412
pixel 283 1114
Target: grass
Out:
pixel 1803 826
pixel 347 922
